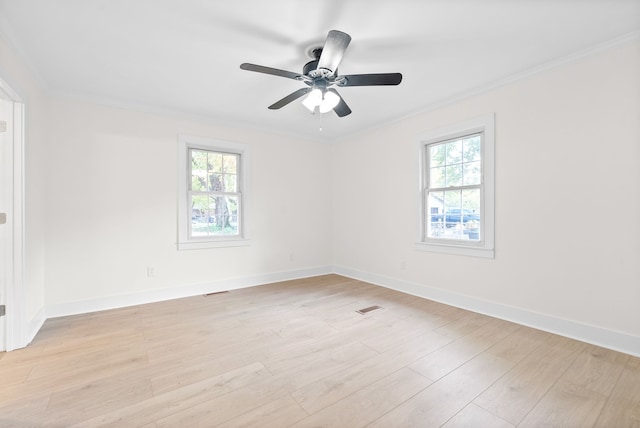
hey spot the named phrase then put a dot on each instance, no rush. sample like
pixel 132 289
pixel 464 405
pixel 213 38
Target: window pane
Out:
pixel 437 177
pixel 437 155
pixel 452 206
pixel 471 148
pixel 471 173
pixel 230 183
pixel 198 170
pixel 232 204
pixel 215 183
pixel 471 207
pixel 224 215
pixel 435 214
pixel 215 162
pixel 454 152
pixel 471 200
pixel 452 200
pixel 198 160
pixel 198 182
pixel 199 215
pixel 230 163
pixel 454 175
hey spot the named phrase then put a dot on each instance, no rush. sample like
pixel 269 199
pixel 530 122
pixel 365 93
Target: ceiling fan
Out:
pixel 321 74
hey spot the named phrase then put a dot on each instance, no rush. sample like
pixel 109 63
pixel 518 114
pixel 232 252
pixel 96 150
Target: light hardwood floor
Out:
pixel 298 354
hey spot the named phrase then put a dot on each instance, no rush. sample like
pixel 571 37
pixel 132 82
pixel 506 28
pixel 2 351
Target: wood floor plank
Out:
pixel 388 334
pixel 176 374
pixel 623 405
pixel 175 401
pixel 304 356
pixel 449 357
pixel 596 369
pixel 14 374
pixel 473 416
pixel 100 363
pixel 333 388
pixel 369 403
pixel 441 401
pixel 20 412
pixel 519 344
pixel 95 398
pixel 257 394
pixel 565 405
pixel 277 414
pixel 514 395
pixel 463 325
pixel 180 349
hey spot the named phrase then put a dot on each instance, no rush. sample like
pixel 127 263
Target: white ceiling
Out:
pixel 182 56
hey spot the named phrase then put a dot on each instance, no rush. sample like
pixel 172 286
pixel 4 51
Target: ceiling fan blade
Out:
pixel 342 109
pixel 291 97
pixel 370 79
pixel 333 50
pixel 272 71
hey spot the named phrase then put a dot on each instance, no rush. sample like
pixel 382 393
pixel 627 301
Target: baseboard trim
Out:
pixel 27 331
pixel 188 290
pixel 599 336
pixel 34 327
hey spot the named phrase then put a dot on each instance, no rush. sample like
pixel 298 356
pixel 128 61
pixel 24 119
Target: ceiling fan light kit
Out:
pixel 321 74
pixel 324 101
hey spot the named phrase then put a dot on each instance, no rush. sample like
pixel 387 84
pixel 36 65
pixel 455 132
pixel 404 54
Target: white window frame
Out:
pixel 185 144
pixel 484 247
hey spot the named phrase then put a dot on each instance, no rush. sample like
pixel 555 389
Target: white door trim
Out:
pixel 13 255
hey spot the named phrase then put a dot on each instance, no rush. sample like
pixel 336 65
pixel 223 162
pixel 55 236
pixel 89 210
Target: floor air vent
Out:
pixel 214 293
pixel 369 309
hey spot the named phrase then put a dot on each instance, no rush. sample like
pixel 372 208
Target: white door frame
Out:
pixel 12 262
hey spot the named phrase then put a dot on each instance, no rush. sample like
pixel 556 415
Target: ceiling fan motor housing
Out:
pixel 309 67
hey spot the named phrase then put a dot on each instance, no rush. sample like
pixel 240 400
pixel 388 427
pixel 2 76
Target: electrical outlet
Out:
pixel 403 265
pixel 151 271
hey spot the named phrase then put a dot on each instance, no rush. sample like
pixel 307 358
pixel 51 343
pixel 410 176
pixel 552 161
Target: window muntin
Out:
pixel 214 194
pixel 453 189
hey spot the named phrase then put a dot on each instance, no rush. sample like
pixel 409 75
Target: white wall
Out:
pixel 111 209
pixel 567 200
pixel 14 72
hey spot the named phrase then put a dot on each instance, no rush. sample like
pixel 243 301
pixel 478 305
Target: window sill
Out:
pixel 198 245
pixel 460 250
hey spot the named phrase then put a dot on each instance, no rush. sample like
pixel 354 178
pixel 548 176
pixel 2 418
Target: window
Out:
pixel 212 187
pixel 456 167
